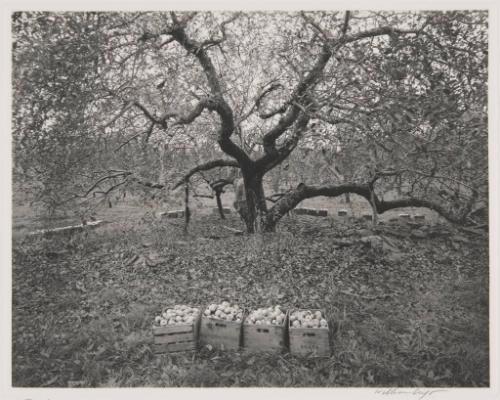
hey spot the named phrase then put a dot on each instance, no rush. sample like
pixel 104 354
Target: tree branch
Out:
pixel 346 22
pixel 380 174
pixel 180 119
pixel 293 112
pixel 385 30
pixel 143 182
pixel 215 42
pixel 302 192
pixel 205 167
pixel 219 104
pixel 105 178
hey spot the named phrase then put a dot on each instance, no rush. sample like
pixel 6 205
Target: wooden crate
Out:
pixel 221 334
pixel 367 217
pixel 175 338
pixel 314 342
pixel 225 210
pixel 310 211
pixel 265 337
pixel 172 214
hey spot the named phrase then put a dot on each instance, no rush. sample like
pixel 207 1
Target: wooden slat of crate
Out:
pixel 174 347
pixel 264 337
pixel 170 329
pixel 310 341
pixel 175 337
pixel 220 334
pixel 175 342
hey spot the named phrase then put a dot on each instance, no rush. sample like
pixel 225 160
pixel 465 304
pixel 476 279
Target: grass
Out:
pixel 83 305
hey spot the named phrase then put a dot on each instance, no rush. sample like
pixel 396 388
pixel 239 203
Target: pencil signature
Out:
pixel 421 394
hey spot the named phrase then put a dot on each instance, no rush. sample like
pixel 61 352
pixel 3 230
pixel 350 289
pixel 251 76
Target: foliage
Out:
pixel 82 308
pixel 110 97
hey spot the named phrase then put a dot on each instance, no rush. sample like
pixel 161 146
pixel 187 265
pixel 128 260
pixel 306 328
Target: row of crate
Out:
pixel 232 335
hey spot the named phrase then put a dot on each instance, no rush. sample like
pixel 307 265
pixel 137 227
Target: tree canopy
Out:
pixel 383 96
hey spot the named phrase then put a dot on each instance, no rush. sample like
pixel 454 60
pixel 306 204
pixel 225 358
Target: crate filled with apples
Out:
pixel 264 329
pixel 176 329
pixel 308 333
pixel 221 326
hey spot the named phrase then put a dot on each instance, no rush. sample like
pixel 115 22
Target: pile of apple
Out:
pixel 224 311
pixel 307 319
pixel 266 316
pixel 178 315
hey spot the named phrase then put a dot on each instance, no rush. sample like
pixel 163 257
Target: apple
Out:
pixel 224 311
pixel 266 316
pixel 308 319
pixel 177 315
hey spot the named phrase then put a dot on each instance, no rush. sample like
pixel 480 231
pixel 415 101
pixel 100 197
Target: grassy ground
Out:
pixel 416 315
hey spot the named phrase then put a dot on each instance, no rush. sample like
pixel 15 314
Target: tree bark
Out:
pixel 302 192
pixel 187 211
pixel 256 207
pixel 219 204
pixel 373 204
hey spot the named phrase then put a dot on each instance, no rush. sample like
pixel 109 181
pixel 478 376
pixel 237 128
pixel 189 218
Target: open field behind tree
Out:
pixel 28 218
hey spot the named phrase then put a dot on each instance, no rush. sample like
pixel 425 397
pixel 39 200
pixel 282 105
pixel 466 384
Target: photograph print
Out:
pixel 250 199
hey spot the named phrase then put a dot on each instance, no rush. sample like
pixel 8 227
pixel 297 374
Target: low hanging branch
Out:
pixel 105 178
pixel 205 167
pixel 302 192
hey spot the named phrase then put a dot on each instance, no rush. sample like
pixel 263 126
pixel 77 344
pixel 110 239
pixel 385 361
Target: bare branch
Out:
pixel 385 30
pixel 105 178
pixel 314 24
pixel 380 174
pixel 180 119
pixel 218 103
pixel 215 42
pixel 346 22
pixel 143 182
pixel 298 96
pixel 205 167
pixel 302 192
pixel 147 132
pixel 147 113
pixel 118 115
